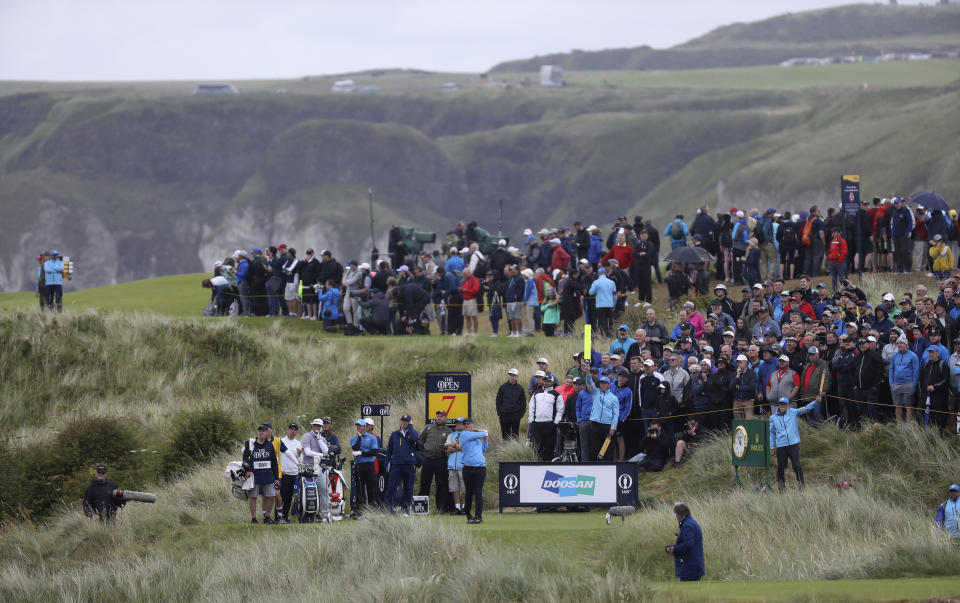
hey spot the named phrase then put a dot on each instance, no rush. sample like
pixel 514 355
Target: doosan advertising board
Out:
pixel 567 484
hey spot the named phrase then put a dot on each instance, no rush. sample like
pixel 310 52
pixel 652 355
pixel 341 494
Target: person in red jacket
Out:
pixel 621 252
pixel 471 289
pixel 798 304
pixel 837 257
pixel 560 258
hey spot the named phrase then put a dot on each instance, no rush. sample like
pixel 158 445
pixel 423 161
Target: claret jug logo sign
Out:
pixel 576 485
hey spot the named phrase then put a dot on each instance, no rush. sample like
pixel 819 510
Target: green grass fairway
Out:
pixel 179 295
pixel 854 590
pixel 934 72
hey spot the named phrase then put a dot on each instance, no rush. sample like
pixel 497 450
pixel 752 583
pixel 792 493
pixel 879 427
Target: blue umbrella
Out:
pixel 930 201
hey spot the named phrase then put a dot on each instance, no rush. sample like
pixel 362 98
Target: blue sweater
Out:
pixel 474 445
pixel 584 406
pixel 904 368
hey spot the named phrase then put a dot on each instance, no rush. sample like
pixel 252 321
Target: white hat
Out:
pixel 556 272
pixel 543 231
pixel 729 334
pixel 720 286
pixel 465 250
pixel 708 348
pixel 784 358
pixel 527 273
pixel 743 358
pixel 592 227
pixel 403 268
pixel 513 371
pixel 217 264
pixel 615 357
pixel 512 249
pixel 364 266
pixel 316 422
pixel 454 249
pixel 871 339
pixel 584 261
pixel 707 362
pixel 502 242
pixel 689 304
pixel 757 286
pixel 852 324
pixel 543 360
pixel 888 297
pixel 740 214
pixel 527 232
pixel 368 421
pixel 813 350
pixel 539 374
pixel 555 241
pixel 649 362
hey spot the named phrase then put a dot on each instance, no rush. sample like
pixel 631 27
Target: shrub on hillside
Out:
pixel 197 436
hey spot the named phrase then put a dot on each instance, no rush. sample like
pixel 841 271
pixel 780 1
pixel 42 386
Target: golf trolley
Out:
pixel 306 495
pixel 336 485
pixel 567 444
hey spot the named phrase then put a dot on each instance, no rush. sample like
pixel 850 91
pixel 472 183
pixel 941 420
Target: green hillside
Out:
pixel 856 30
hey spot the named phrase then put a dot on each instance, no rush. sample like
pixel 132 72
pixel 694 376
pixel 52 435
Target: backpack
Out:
pixel 807 232
pixel 481 270
pixel 788 233
pixel 676 230
pixel 758 233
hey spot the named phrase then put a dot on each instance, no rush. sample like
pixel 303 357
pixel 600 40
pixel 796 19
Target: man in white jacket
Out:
pixel 544 412
pixel 314 450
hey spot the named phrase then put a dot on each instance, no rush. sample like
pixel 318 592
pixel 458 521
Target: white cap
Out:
pixel 465 250
pixel 720 286
pixel 757 286
pixel 708 348
pixel 217 264
pixel 707 362
pixel 539 374
pixel 740 214
pixel 729 334
pixel 512 249
pixel 502 242
pixel 527 232
pixel 527 273
pixel 454 249
pixel 364 266
pixel 784 358
pixel 316 422
pixel 543 231
pixel 556 272
pixel 615 357
pixel 513 371
pixel 543 360
pixel 584 261
pixel 888 297
pixel 649 362
pixel 871 339
pixel 403 268
pixel 813 350
pixel 556 241
pixel 852 324
pixel 368 421
pixel 592 227
pixel 743 358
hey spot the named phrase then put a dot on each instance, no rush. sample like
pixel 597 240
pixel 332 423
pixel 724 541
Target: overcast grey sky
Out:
pixel 201 39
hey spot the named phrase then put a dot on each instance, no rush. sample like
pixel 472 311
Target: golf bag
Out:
pixel 306 495
pixel 338 484
pixel 237 480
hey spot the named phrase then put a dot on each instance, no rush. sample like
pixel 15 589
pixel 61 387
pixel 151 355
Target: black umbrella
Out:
pixel 689 255
pixel 930 201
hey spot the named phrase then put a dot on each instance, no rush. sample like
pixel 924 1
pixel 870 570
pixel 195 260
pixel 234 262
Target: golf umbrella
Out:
pixel 689 255
pixel 930 201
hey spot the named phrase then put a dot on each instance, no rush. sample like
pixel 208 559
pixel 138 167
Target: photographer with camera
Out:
pixel 654 449
pixel 53 280
pixel 687 551
pixel 100 501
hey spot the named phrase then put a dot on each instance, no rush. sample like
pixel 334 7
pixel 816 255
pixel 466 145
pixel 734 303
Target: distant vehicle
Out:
pixel 551 76
pixel 214 90
pixel 343 86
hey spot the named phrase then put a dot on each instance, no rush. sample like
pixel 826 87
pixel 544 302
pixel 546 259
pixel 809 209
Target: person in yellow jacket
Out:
pixel 942 257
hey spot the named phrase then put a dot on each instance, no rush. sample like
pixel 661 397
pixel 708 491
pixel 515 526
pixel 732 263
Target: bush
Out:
pixel 197 436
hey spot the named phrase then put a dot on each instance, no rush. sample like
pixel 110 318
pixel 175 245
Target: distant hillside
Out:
pixel 861 29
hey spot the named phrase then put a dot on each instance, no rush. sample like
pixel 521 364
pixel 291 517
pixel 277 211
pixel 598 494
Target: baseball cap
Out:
pixel 742 357
pixel 615 357
pixel 685 326
pixel 539 374
pixel 459 420
pixel 467 420
pixel 327 420
pixel 871 339
pixel 783 401
pixel 720 286
pixel 255 250
pixel 368 421
pixel 440 411
pixel 502 242
pixel 729 334
pixel 360 422
pixel 548 377
pixel 813 350
pixel 103 469
pixel 905 301
pixel 578 381
pixel 603 380
pixel 405 418
pixel 513 371
pixel 542 361
pixel 649 362
pixel 527 232
pixel 784 358
pixel 708 348
pixel 952 488
pixel 707 362
pixel 785 292
pixel 262 427
pixel 317 421
pixel 888 297
pixel 293 426
pixel 624 327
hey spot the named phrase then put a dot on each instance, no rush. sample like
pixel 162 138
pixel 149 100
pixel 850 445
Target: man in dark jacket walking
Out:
pixel 402 465
pixel 687 551
pixel 99 501
pixel 511 403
